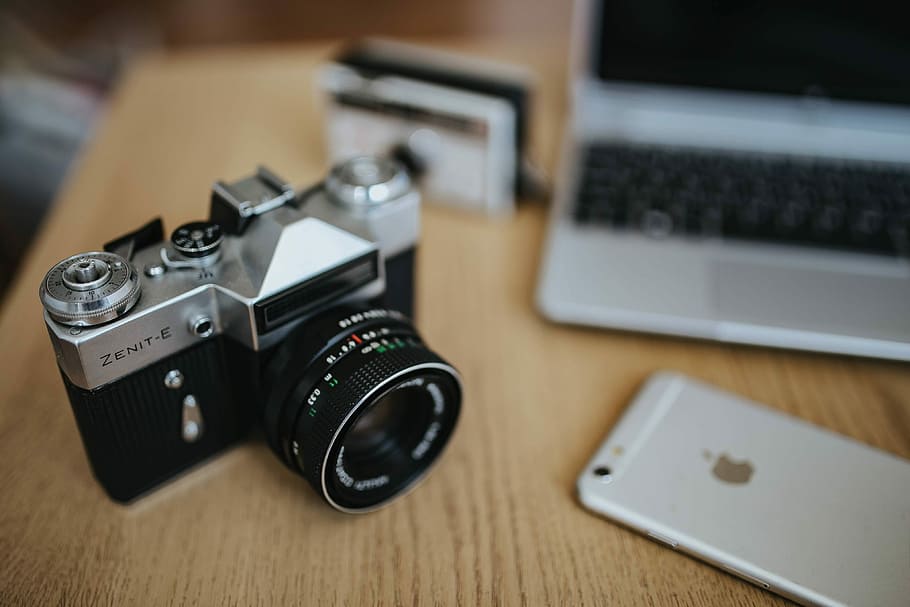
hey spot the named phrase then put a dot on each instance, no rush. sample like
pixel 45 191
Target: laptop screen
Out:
pixel 842 50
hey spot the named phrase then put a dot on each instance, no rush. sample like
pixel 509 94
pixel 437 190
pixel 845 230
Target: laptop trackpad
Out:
pixel 814 299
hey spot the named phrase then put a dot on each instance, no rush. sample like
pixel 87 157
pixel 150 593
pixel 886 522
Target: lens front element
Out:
pixel 389 446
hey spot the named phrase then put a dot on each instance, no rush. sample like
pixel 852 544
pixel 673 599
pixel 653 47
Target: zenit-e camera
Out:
pixel 282 308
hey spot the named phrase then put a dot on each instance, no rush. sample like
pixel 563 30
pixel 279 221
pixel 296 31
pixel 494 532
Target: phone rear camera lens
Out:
pixel 602 471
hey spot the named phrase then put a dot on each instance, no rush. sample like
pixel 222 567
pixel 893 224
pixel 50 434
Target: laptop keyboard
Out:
pixel 665 192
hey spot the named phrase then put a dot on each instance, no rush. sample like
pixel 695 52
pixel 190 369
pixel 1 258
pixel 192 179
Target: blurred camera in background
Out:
pixel 458 124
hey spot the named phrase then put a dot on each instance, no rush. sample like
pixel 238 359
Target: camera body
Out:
pixel 163 346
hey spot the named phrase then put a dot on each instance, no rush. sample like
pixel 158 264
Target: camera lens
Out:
pixel 359 405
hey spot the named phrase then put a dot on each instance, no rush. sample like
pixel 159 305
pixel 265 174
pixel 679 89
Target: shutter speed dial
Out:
pixel 197 239
pixel 89 289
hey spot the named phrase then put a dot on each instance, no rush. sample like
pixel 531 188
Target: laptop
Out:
pixel 736 171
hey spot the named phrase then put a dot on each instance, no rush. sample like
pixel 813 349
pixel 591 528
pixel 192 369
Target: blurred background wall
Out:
pixel 60 59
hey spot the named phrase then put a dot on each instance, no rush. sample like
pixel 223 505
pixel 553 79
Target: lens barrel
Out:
pixel 359 405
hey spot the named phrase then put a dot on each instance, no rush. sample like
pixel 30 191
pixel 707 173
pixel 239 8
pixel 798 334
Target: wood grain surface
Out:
pixel 496 522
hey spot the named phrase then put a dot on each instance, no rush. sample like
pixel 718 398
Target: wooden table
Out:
pixel 496 522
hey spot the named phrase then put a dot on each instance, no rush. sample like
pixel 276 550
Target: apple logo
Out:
pixel 731 471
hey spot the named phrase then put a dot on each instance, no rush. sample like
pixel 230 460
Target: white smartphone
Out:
pixel 801 511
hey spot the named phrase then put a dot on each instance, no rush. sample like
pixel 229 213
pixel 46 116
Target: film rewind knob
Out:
pixel 90 289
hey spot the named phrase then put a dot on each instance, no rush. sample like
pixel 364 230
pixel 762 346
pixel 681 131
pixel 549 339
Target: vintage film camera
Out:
pixel 457 123
pixel 275 309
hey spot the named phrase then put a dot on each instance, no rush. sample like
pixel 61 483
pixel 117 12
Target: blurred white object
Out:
pixel 463 142
pixel 459 123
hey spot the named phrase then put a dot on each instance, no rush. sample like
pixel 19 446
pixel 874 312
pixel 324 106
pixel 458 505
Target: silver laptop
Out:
pixel 739 172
